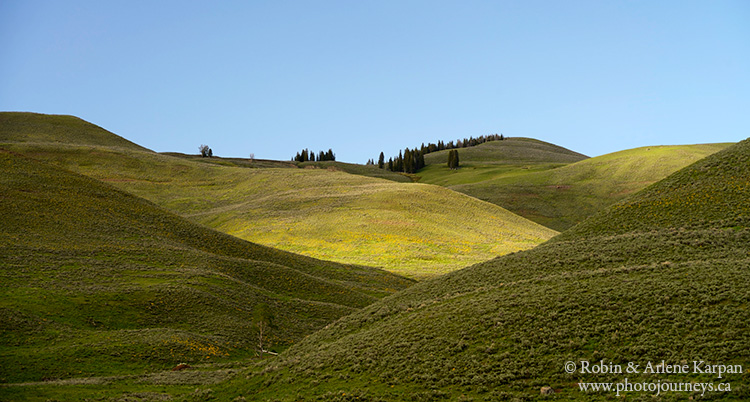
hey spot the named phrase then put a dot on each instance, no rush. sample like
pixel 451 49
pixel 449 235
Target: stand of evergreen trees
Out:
pixel 410 161
pixel 309 156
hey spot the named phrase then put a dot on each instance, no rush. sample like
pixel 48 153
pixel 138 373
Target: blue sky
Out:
pixel 273 77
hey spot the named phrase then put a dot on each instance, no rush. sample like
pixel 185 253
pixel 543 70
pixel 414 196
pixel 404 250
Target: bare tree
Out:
pixel 204 149
pixel 262 324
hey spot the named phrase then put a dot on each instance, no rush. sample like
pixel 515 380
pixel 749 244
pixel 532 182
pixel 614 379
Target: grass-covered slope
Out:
pixel 363 170
pixel 509 157
pixel 57 129
pixel 96 281
pixel 516 150
pixel 560 196
pixel 664 275
pixel 237 162
pixel 413 229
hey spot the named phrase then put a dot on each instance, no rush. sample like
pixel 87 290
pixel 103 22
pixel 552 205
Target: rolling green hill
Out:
pixel 412 229
pixel 98 282
pixel 363 170
pixel 663 275
pixel 559 195
pixel 509 157
pixel 58 129
pixel 237 162
pixel 515 150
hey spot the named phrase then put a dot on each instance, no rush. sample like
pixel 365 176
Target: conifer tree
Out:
pixel 408 161
pixel 381 160
pixel 453 159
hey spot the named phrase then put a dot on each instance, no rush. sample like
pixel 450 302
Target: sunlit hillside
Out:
pixel 413 229
pixel 558 195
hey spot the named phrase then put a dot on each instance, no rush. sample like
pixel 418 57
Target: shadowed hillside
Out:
pixel 664 275
pixel 99 282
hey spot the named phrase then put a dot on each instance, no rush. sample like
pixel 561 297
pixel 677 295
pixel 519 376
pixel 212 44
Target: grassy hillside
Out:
pixel 237 162
pixel 59 129
pixel 512 156
pixel 514 150
pixel 560 196
pixel 98 282
pixel 364 170
pixel 664 275
pixel 416 230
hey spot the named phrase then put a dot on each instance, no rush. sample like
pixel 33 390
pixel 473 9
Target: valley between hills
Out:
pixel 477 283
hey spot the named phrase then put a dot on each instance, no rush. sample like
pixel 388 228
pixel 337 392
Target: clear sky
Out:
pixel 273 77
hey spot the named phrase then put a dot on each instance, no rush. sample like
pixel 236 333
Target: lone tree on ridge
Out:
pixel 205 151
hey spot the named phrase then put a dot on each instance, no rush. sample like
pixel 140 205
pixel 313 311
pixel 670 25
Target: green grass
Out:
pixel 663 275
pixel 237 162
pixel 411 229
pixel 189 385
pixel 97 282
pixel 363 170
pixel 558 194
pixel 514 151
pixel 109 291
pixel 59 129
